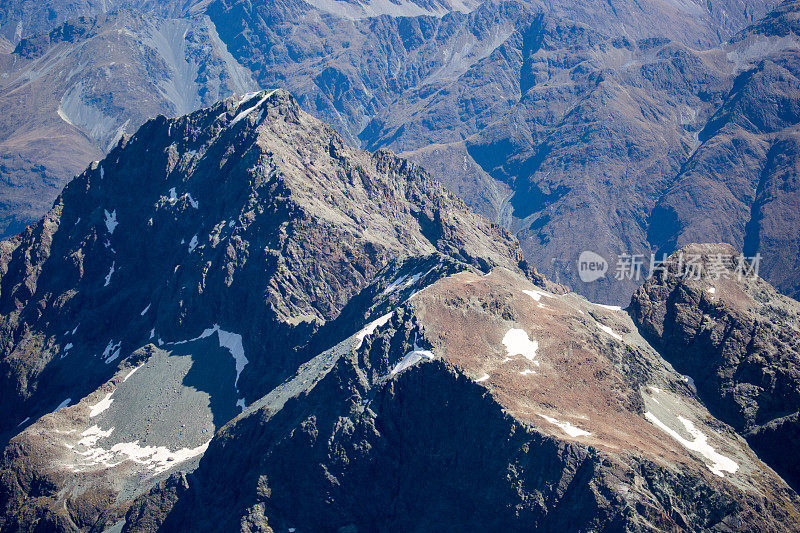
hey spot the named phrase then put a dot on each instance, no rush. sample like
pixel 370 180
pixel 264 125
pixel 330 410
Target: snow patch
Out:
pixel 483 378
pixel 112 351
pixel 92 435
pixel 393 286
pixel 568 428
pixel 528 372
pixel 62 405
pixel 193 244
pixel 518 343
pixel 370 328
pixel 719 464
pixel 129 374
pixel 111 220
pixel 537 294
pixel 413 357
pixel 101 406
pixel 247 111
pixel 712 290
pixel 155 458
pixel 610 307
pixel 110 272
pixel 609 331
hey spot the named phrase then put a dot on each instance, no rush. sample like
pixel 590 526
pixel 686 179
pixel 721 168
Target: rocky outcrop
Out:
pixel 737 339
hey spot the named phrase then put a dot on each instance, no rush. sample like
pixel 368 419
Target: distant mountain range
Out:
pixel 236 321
pixel 621 128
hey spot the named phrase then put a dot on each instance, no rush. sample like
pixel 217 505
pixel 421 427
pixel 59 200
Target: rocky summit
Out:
pixel 237 321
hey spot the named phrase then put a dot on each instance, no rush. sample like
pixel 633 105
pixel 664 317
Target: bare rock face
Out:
pixel 738 341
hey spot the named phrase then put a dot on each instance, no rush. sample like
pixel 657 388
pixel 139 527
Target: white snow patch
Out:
pixel 370 328
pixel 610 307
pixel 712 290
pixel 537 294
pixel 129 374
pixel 173 196
pixel 690 381
pixel 92 435
pixel 152 333
pixel 110 272
pixel 719 463
pixel 609 331
pixel 412 358
pixel 568 428
pixel 483 378
pixel 518 343
pixel 247 111
pixel 528 372
pixel 194 203
pixel 155 458
pixel 112 351
pixel 62 405
pixel 101 406
pixel 193 244
pixel 146 309
pixel 240 404
pixel 111 221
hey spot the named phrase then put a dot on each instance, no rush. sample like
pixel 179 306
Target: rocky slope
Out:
pixel 236 321
pixel 738 340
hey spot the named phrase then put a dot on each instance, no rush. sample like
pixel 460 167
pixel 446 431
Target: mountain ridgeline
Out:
pixel 236 321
